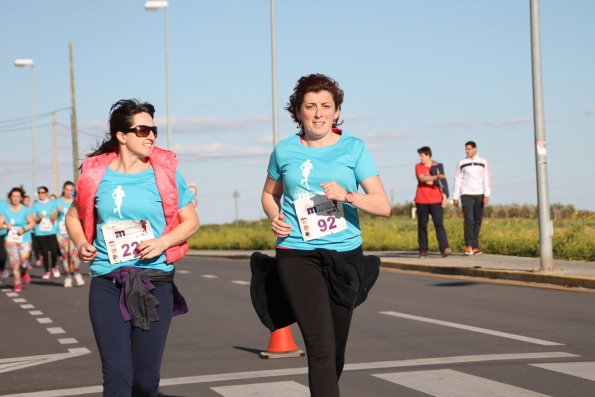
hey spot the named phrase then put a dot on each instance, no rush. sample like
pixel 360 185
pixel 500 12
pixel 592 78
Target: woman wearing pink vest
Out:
pixel 130 220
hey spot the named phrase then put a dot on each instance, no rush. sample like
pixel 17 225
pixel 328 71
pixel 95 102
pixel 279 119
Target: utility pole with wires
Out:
pixel 73 126
pixel 55 154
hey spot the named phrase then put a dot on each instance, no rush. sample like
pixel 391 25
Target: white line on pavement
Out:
pixel 270 389
pixel 473 329
pixel 56 330
pixel 19 300
pixel 209 276
pixel 241 282
pixel 36 312
pixel 301 371
pixel 27 306
pixel 449 383
pixel 67 341
pixel 585 370
pixel 44 320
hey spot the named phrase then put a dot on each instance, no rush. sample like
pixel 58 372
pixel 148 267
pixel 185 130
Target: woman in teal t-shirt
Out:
pixel 19 221
pixel 126 204
pixel 317 172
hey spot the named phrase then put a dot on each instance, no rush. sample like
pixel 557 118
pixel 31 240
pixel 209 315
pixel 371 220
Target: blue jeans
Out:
pixel 130 357
pixel 423 215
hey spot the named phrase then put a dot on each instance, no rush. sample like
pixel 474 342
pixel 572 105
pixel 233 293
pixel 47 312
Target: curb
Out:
pixel 495 274
pixel 585 282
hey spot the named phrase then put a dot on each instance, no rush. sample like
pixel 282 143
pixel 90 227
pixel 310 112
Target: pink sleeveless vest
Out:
pixel 164 164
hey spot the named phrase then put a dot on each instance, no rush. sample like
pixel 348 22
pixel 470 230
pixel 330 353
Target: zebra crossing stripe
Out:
pixel 271 389
pixel 473 329
pixel 585 370
pixel 450 383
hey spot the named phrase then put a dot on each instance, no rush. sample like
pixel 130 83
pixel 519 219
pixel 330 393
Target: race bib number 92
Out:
pixel 319 217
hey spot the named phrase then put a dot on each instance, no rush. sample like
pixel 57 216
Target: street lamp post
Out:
pixel 153 6
pixel 23 62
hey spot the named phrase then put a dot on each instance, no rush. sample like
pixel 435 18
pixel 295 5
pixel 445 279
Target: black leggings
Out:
pixel 48 245
pixel 3 254
pixel 323 323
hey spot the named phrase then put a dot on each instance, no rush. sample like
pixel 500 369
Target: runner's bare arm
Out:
pixel 374 202
pixel 87 251
pixel 271 204
pixel 189 225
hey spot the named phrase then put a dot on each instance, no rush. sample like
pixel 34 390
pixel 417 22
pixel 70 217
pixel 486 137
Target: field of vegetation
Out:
pixel 506 230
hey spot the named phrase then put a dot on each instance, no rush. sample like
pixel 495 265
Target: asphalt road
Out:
pixel 416 335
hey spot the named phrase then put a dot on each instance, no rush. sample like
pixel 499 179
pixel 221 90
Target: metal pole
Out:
pixel 274 75
pixel 546 228
pixel 73 126
pixel 55 152
pixel 33 152
pixel 167 109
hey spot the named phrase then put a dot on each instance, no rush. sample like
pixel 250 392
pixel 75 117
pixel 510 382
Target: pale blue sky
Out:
pixel 416 72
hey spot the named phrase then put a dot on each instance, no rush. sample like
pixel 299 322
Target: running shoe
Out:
pixel 46 275
pixel 56 272
pixel 78 278
pixel 5 273
pixel 423 254
pixel 68 282
pixel 17 287
pixel 39 262
pixel 446 252
pixel 469 251
pixel 26 279
pixel 476 251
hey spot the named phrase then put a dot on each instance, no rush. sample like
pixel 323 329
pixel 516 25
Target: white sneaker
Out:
pixel 5 273
pixel 46 276
pixel 56 272
pixel 68 282
pixel 79 280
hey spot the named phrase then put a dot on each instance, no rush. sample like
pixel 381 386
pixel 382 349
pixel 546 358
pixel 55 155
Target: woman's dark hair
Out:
pixel 16 189
pixel 120 119
pixel 313 83
pixel 67 183
pixel 425 150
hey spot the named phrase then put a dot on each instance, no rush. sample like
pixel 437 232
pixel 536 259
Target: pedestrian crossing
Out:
pixel 433 382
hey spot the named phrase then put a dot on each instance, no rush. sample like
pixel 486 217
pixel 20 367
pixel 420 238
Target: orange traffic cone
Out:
pixel 281 345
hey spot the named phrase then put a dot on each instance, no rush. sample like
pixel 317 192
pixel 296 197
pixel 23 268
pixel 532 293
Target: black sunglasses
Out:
pixel 143 131
pixel 42 192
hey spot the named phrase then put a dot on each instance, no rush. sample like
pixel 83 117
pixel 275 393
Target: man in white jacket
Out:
pixel 473 186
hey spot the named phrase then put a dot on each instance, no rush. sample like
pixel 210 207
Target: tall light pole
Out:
pixel 546 229
pixel 153 6
pixel 23 62
pixel 274 75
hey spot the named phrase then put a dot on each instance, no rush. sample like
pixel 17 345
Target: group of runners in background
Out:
pixel 36 233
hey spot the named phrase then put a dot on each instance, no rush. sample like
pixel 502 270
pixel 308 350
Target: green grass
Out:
pixel 573 238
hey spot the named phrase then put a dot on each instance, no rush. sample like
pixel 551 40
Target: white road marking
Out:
pixel 36 312
pixel 19 300
pixel 44 320
pixel 11 364
pixel 241 282
pixel 67 341
pixel 233 376
pixel 27 306
pixel 473 329
pixel 271 389
pixel 183 271
pixel 12 294
pixel 449 383
pixel 209 276
pixel 585 370
pixel 56 330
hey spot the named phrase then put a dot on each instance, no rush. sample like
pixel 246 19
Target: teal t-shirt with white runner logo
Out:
pixel 315 221
pixel 128 207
